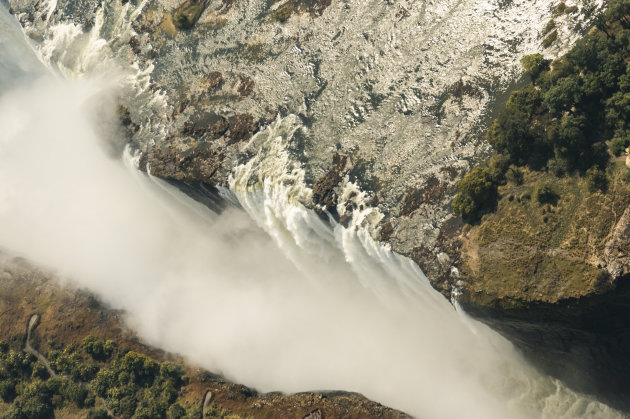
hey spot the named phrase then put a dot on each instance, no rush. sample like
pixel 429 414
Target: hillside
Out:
pixel 101 367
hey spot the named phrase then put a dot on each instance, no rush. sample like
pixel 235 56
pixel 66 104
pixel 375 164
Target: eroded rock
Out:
pixel 616 255
pixel 324 194
pixel 241 127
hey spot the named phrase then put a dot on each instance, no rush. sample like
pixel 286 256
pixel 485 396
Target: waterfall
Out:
pixel 266 292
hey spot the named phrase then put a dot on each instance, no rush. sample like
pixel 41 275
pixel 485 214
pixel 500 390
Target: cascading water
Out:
pixel 296 305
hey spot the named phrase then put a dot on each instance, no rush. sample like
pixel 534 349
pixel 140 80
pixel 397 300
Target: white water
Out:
pixel 293 306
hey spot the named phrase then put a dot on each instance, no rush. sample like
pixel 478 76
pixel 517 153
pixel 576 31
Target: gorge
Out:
pixel 322 143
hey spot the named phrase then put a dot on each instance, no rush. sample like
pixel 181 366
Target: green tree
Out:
pixel 98 349
pixel 564 94
pixel 596 179
pixel 527 100
pixel 477 192
pixel 510 135
pixel 534 64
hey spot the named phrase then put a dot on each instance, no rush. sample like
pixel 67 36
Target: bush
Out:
pixel 98 349
pixel 7 390
pixel 76 393
pixel 97 414
pixel 39 371
pixel 477 192
pixel 545 194
pixel 551 25
pixel 558 167
pixel 535 64
pixel 66 362
pixel 509 134
pixel 176 411
pixel 34 402
pixel 514 175
pixel 618 145
pixel 171 371
pixel 596 179
pixel 550 39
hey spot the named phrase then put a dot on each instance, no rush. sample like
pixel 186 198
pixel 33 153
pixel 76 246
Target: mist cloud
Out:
pixel 219 290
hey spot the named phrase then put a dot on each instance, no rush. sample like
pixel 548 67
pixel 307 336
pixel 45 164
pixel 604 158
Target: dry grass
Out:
pixel 530 251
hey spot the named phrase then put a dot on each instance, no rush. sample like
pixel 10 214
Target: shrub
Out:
pixel 514 175
pixel 34 402
pixel 558 167
pixel 39 371
pixel 596 179
pixel 618 145
pixel 76 393
pixel 169 370
pixel 550 39
pixel 97 414
pixel 176 411
pixel 551 25
pixel 534 64
pixel 7 390
pixel 559 9
pixel 98 349
pixel 509 134
pixel 545 194
pixel 477 192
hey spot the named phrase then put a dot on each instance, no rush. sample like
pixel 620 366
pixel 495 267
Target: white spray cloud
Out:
pixel 291 313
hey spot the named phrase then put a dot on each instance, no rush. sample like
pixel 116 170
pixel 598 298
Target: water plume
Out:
pixel 271 296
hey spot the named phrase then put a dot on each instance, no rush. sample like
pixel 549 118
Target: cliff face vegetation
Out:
pixel 546 213
pixel 83 362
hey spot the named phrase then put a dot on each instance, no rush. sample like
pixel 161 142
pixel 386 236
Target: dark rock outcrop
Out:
pixel 324 195
pixel 212 81
pixel 188 13
pixel 245 86
pixel 241 127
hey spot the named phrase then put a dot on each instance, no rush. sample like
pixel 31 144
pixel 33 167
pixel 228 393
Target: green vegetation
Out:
pixel 567 121
pixel 127 383
pixel 545 194
pixel 97 349
pixel 537 246
pixel 137 386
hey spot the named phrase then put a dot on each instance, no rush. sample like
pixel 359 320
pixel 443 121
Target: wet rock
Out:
pixel 461 89
pixel 186 160
pixel 324 194
pixel 209 127
pixel 134 43
pixel 313 7
pixel 245 87
pixel 386 231
pixel 188 13
pixel 431 192
pixel 241 127
pixel 315 414
pixel 125 119
pixel 212 81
